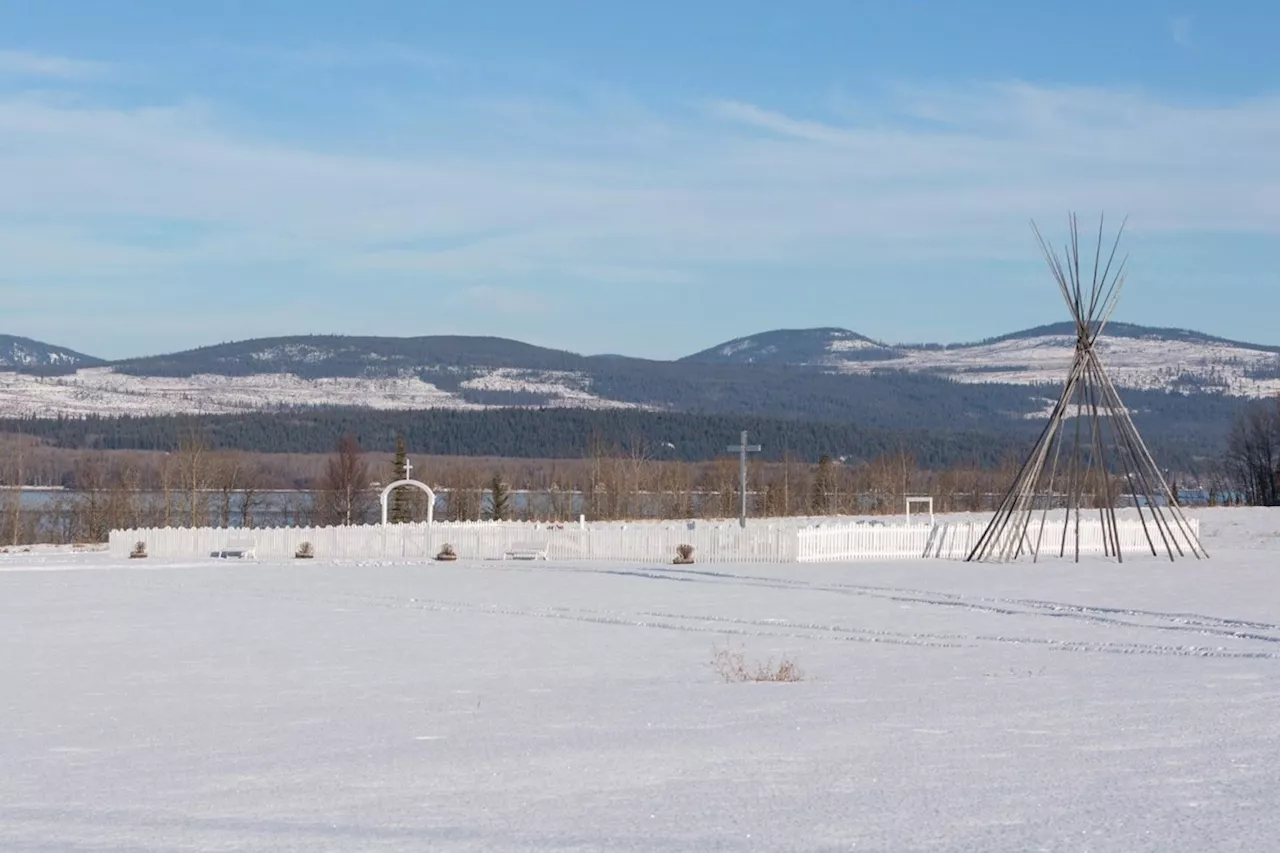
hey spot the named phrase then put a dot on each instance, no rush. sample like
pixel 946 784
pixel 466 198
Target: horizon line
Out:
pixel 875 341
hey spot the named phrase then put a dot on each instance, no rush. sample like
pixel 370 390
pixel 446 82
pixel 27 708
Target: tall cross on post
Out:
pixel 742 449
pixel 408 469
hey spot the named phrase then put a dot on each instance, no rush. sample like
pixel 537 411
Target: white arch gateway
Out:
pixel 417 484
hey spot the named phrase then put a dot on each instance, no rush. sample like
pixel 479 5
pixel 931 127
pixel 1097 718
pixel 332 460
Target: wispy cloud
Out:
pixel 20 63
pixel 619 197
pixel 712 189
pixel 1180 29
pixel 778 123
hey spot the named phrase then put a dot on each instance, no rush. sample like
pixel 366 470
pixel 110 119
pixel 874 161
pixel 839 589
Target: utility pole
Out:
pixel 742 449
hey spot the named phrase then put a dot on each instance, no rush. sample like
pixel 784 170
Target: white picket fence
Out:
pixel 761 542
pixel 478 541
pixel 954 540
pixel 862 542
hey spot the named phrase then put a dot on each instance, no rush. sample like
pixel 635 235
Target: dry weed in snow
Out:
pixel 733 668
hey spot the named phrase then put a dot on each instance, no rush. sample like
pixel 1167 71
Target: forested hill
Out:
pixel 327 356
pixel 568 434
pixel 1184 388
pixel 37 357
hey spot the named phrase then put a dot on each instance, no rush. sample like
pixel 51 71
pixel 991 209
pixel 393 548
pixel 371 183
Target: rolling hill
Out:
pixel 1176 381
pixel 26 355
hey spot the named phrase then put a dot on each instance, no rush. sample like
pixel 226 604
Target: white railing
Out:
pixel 478 540
pixel 954 540
pixel 715 542
pixel 862 542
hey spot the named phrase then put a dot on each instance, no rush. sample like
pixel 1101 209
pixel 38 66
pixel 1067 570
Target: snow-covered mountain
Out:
pixel 828 347
pixel 105 392
pixel 28 355
pixel 438 372
pixel 826 373
pixel 1136 357
pixel 328 356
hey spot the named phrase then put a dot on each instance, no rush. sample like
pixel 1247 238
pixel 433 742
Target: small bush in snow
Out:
pixel 684 554
pixel 305 551
pixel 447 553
pixel 139 551
pixel 732 667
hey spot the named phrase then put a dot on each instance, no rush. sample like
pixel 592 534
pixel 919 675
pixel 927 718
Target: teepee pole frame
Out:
pixel 1101 456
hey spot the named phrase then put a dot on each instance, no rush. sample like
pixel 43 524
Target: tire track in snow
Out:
pixel 1062 645
pixel 779 628
pixel 784 628
pixel 1187 622
pixel 816 631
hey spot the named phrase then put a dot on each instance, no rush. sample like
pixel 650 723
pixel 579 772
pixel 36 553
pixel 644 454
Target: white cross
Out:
pixel 742 449
pixel 408 469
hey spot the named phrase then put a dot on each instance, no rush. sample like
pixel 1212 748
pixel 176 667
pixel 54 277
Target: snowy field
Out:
pixel 484 706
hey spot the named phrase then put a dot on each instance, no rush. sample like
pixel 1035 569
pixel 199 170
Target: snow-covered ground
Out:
pixel 490 706
pixel 102 391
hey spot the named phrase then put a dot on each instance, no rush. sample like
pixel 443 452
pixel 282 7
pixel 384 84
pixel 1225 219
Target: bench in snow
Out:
pixel 526 551
pixel 242 547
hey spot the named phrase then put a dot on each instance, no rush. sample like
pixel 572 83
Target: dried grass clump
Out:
pixel 447 553
pixel 684 555
pixel 733 668
pixel 139 551
pixel 305 551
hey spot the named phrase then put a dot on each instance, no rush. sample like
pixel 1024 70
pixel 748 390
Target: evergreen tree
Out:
pixel 501 499
pixel 400 511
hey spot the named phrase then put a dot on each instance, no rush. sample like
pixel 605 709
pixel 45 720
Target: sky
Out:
pixel 641 178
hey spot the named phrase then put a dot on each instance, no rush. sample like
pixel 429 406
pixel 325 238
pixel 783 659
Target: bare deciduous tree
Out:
pixel 252 499
pixel 237 483
pixel 345 497
pixel 1253 453
pixel 168 475
pixel 106 497
pixel 192 462
pixel 17 476
pixel 821 498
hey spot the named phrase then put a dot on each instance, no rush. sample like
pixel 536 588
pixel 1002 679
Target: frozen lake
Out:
pixel 500 707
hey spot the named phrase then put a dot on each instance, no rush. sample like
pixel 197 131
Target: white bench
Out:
pixel 242 547
pixel 526 551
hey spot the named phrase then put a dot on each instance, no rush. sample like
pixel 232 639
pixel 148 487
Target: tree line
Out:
pixel 1178 435
pixel 521 433
pixel 57 494
pixel 197 485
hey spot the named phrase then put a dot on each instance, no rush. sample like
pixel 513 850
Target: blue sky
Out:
pixel 645 178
